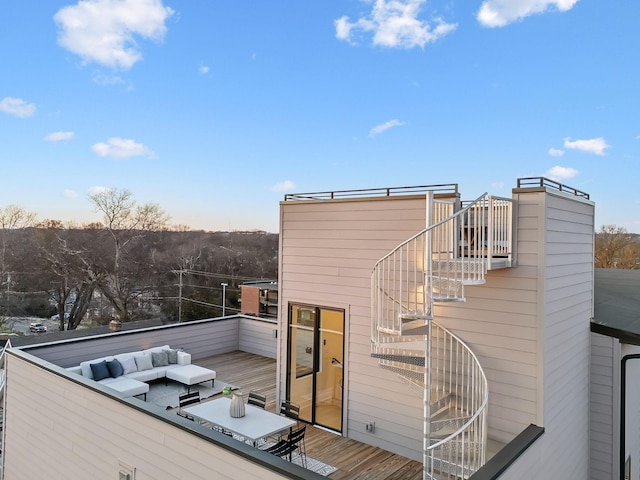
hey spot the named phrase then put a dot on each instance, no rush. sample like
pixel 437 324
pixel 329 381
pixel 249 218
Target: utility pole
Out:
pixel 180 297
pixel 224 297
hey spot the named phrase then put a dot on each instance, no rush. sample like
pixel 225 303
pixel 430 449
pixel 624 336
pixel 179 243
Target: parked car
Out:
pixel 37 327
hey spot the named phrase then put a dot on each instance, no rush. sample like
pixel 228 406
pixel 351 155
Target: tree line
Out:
pixel 615 247
pixel 127 266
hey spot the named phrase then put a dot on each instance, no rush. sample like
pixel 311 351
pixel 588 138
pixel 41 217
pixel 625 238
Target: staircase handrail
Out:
pixel 485 400
pixel 431 227
pixel 392 300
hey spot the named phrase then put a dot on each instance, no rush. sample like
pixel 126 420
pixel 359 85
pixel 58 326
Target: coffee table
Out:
pixel 191 375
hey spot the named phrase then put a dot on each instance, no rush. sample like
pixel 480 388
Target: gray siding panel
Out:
pixel 202 338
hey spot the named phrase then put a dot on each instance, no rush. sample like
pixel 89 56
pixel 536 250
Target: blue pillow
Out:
pixel 100 370
pixel 115 368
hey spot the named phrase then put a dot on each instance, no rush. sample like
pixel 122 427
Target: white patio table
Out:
pixel 256 423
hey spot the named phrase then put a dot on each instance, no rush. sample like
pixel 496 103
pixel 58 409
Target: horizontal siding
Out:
pixel 328 250
pixel 258 337
pixel 84 434
pixel 519 323
pixel 568 299
pixel 202 338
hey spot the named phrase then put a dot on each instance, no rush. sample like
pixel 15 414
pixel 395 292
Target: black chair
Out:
pixel 293 443
pixel 290 409
pixel 185 399
pixel 257 400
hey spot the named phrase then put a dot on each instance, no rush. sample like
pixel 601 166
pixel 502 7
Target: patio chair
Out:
pixel 257 400
pixel 290 409
pixel 185 399
pixel 293 443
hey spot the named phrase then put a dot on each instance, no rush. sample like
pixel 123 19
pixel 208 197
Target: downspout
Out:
pixel 623 402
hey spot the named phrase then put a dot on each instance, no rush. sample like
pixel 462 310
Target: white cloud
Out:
pixel 106 80
pixel 559 173
pixel 378 129
pixel 556 152
pixel 17 107
pixel 97 189
pixel 596 146
pixel 117 147
pixel 69 193
pixel 283 186
pixel 498 13
pixel 58 136
pixel 105 31
pixel 394 24
pixel 203 69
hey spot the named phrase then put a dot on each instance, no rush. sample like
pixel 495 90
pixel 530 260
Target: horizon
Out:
pixel 216 111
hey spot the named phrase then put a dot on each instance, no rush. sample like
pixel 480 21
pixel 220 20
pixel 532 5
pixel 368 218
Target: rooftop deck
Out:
pixel 353 460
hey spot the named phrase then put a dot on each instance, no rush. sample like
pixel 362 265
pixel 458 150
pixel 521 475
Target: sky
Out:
pixel 215 109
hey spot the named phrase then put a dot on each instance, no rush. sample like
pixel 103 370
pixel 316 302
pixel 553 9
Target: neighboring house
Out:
pixel 455 333
pixel 508 296
pixel 615 369
pixel 259 298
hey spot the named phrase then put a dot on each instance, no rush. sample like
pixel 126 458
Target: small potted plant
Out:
pixel 228 390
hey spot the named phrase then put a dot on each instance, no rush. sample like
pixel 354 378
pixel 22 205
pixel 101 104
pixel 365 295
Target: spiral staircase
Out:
pixel 461 243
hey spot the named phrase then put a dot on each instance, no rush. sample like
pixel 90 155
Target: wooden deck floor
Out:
pixel 354 460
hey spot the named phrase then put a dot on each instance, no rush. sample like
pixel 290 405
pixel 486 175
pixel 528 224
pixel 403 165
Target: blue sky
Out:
pixel 215 109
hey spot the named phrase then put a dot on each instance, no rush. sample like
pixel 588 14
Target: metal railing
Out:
pixel 455 446
pixel 456 249
pixel 446 189
pixel 528 182
pixel 435 264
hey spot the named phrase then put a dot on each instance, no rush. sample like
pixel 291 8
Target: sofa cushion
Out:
pixel 85 367
pixel 160 359
pixel 100 370
pixel 128 364
pixel 144 362
pixel 147 375
pixel 173 356
pixel 115 368
pixel 148 351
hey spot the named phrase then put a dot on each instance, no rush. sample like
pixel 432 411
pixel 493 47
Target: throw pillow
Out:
pixel 160 359
pixel 115 368
pixel 128 365
pixel 100 370
pixel 143 362
pixel 173 355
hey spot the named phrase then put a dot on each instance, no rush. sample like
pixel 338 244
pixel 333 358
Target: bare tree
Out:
pixel 12 217
pixel 616 248
pixel 67 272
pixel 127 223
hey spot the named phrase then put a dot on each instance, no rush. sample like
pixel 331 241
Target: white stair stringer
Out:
pixel 434 266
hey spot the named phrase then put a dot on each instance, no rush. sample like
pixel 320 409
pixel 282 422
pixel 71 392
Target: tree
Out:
pixel 12 218
pixel 67 271
pixel 127 224
pixel 615 247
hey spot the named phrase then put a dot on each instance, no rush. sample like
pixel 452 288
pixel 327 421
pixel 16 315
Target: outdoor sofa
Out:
pixel 128 373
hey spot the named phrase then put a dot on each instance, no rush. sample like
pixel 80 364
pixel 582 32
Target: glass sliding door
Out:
pixel 315 364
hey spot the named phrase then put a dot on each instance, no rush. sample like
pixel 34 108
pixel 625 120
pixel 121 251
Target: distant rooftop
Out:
pixel 617 304
pixel 263 284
